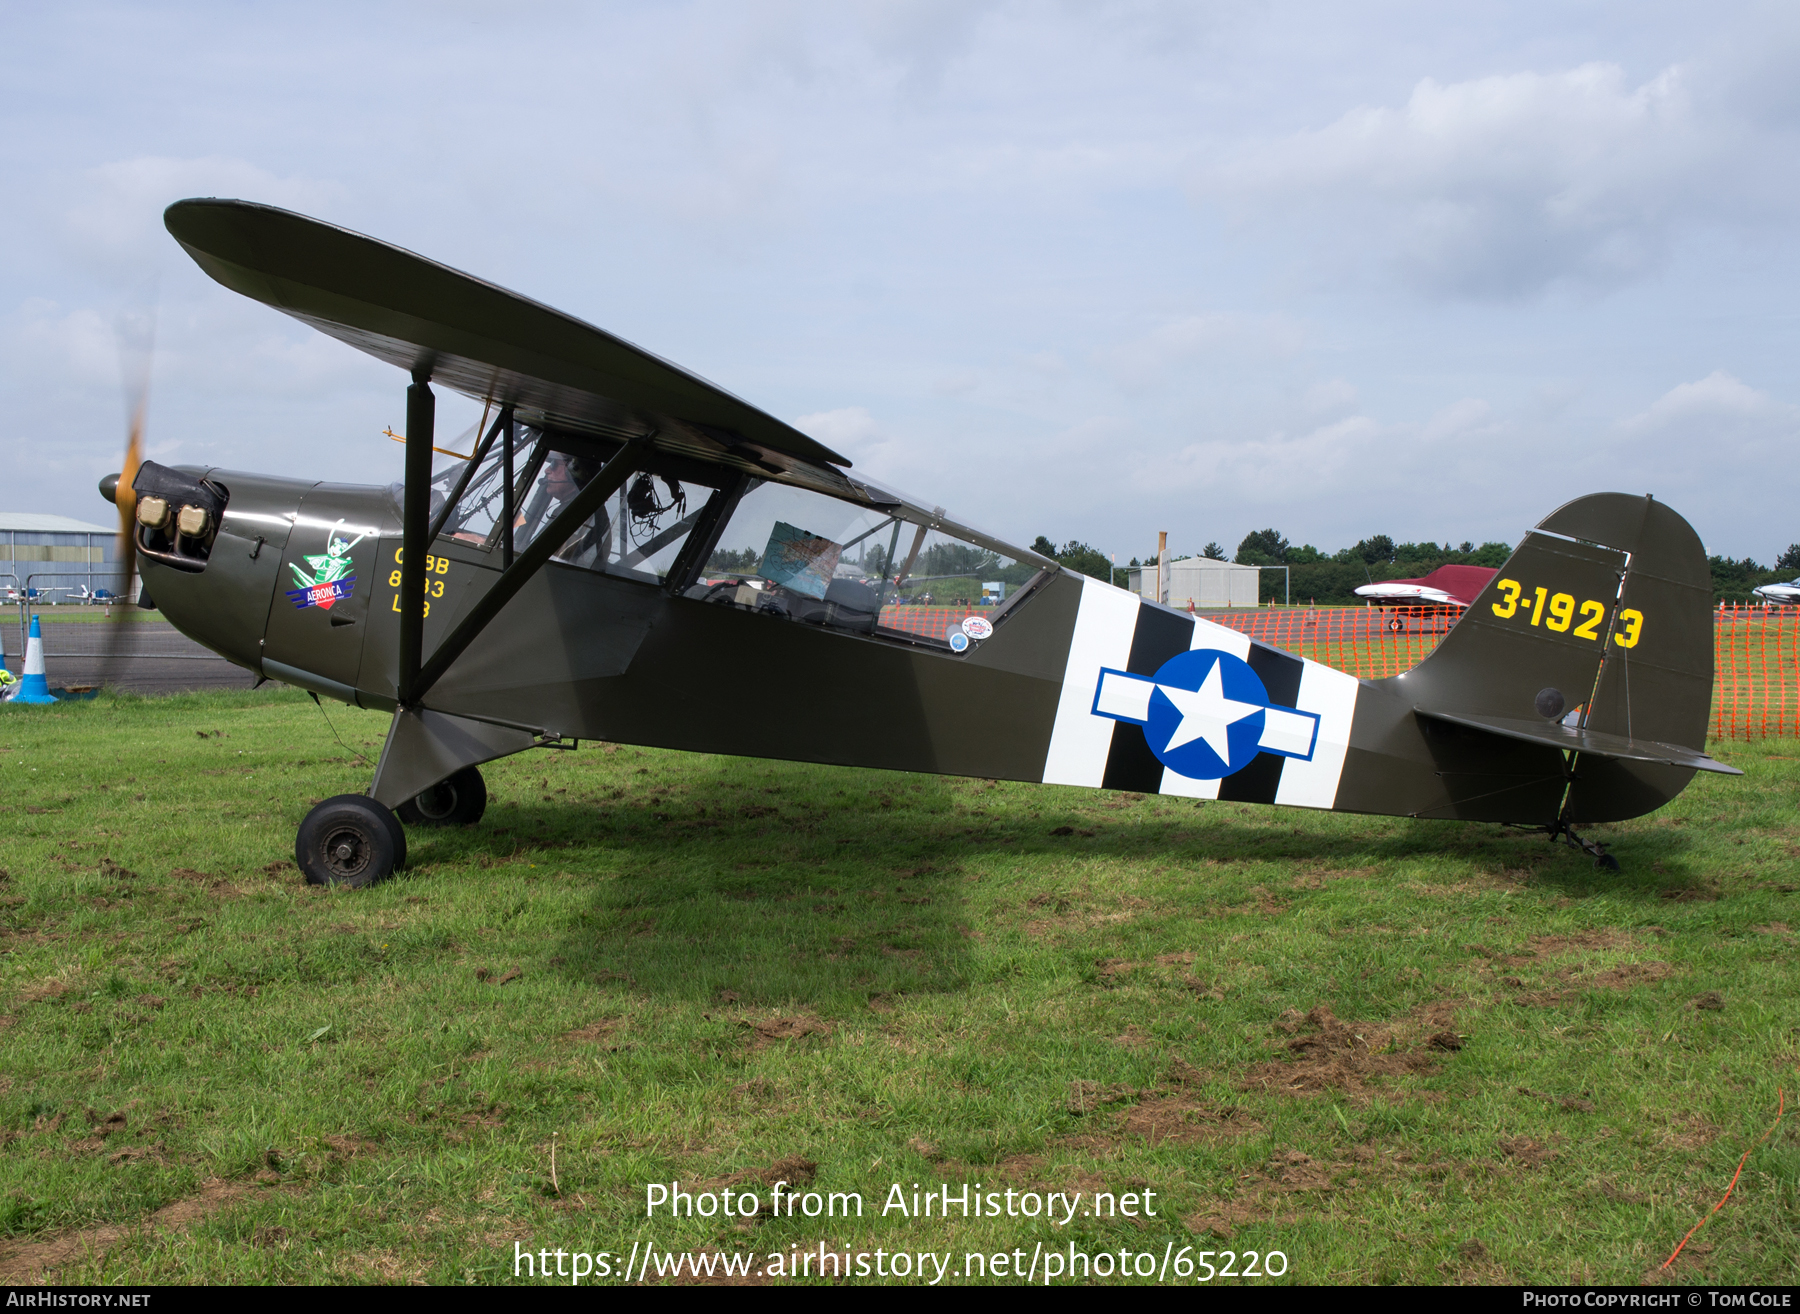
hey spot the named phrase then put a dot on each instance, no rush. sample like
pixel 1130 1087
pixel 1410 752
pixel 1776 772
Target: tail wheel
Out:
pixel 349 840
pixel 458 801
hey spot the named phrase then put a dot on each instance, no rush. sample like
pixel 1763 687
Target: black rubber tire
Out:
pixel 1397 626
pixel 458 801
pixel 349 840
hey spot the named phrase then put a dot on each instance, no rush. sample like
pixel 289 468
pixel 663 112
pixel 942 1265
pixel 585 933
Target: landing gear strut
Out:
pixel 1593 848
pixel 458 801
pixel 349 840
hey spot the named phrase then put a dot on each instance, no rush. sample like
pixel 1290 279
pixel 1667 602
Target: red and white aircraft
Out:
pixel 1447 586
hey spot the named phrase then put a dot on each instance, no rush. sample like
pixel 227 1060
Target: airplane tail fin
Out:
pixel 1596 638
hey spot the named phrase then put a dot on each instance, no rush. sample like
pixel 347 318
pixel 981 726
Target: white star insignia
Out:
pixel 1206 714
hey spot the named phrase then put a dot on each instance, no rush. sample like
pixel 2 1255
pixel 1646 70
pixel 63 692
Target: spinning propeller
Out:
pixel 117 488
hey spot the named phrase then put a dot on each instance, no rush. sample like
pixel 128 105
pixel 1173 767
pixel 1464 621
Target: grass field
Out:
pixel 1392 1051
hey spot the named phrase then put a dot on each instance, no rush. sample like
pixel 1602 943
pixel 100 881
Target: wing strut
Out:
pixel 415 524
pixel 611 478
pixel 503 421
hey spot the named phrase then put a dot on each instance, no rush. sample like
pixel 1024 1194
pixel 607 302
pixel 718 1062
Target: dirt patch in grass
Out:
pixel 1529 1153
pixel 1265 1192
pixel 1571 978
pixel 1262 902
pixel 1223 1218
pixel 1474 1266
pixel 1317 878
pixel 594 1033
pixel 777 1030
pixel 794 1170
pixel 1088 1096
pixel 1576 979
pixel 44 992
pixel 1689 1266
pixel 1170 1113
pixel 216 885
pixel 1073 915
pixel 1693 1132
pixel 1623 977
pixel 1546 946
pixel 1331 1055
pixel 1180 1120
pixel 348 1145
pixel 33 1261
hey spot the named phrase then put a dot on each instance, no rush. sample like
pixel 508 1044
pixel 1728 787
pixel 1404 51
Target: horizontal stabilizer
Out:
pixel 1591 742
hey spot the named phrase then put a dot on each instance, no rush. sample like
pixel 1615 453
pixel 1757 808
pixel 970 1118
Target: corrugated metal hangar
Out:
pixel 1199 582
pixel 56 555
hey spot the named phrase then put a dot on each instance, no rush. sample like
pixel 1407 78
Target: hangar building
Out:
pixel 1200 581
pixel 56 554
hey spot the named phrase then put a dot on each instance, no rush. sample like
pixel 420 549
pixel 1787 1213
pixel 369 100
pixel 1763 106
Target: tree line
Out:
pixel 1331 578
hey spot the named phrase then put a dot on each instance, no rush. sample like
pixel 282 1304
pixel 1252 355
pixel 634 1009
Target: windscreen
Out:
pixel 790 553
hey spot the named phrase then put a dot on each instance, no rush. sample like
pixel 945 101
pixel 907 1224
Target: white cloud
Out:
pixel 77 348
pixel 1152 358
pixel 849 430
pixel 1718 407
pixel 114 220
pixel 1330 397
pixel 1273 468
pixel 1500 186
pixel 1466 419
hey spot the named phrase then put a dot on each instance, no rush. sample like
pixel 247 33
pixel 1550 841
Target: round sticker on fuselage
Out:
pixel 959 642
pixel 978 627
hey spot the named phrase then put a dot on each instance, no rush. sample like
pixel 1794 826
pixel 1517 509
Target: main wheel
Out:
pixel 458 801
pixel 349 840
pixel 1397 625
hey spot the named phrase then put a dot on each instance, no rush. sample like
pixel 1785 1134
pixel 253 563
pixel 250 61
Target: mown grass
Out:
pixel 728 967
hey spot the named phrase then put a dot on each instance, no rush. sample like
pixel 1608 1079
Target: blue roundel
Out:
pixel 1206 716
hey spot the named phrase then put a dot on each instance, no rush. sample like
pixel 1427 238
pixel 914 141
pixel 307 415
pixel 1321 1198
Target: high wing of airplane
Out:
pixel 630 553
pixel 1782 594
pixel 1447 586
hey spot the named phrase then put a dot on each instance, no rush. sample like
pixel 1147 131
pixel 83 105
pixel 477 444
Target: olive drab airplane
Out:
pixel 632 554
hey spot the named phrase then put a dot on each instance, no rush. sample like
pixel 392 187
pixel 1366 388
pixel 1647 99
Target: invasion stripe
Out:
pixel 1280 674
pixel 1160 635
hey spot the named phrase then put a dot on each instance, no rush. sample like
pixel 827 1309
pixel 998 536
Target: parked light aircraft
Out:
pixel 633 554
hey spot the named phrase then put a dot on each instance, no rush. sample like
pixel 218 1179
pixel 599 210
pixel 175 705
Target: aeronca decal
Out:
pixel 331 580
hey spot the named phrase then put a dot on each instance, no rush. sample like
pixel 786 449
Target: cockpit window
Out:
pixel 477 512
pixel 797 555
pixel 890 570
pixel 638 531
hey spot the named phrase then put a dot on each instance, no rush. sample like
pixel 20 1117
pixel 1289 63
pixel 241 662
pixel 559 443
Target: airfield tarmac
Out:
pixel 154 658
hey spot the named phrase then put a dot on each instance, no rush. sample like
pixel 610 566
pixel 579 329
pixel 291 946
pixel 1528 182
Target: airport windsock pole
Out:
pixel 34 688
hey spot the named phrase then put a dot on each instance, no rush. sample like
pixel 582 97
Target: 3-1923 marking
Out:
pixel 1557 611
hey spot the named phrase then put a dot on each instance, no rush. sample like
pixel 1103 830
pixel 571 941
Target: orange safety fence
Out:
pixel 932 622
pixel 1756 684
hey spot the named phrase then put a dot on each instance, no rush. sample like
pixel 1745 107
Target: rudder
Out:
pixel 1600 622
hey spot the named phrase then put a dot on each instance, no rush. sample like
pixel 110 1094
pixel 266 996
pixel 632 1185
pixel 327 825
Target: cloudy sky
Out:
pixel 1089 270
